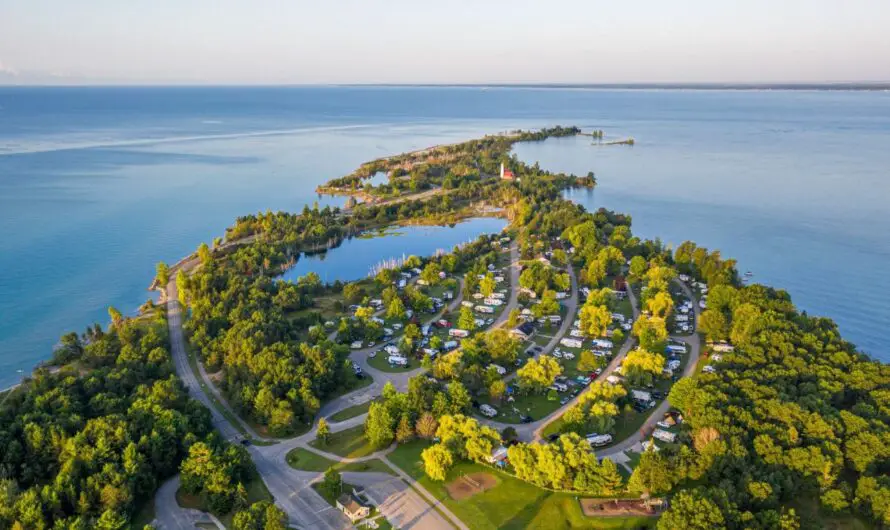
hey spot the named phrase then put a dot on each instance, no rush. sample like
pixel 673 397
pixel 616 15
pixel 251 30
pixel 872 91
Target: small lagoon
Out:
pixel 355 257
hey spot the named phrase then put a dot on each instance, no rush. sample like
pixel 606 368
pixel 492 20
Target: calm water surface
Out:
pixel 355 258
pixel 98 184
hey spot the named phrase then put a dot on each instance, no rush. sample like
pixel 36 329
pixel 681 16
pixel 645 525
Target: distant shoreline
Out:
pixel 848 86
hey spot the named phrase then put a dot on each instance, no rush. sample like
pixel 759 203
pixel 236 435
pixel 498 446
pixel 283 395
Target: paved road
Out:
pixel 694 342
pixel 168 514
pixel 513 301
pixel 184 371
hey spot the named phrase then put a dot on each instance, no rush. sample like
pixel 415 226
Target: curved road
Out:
pixel 694 342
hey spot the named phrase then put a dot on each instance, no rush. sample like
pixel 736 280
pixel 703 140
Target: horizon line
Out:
pixel 703 85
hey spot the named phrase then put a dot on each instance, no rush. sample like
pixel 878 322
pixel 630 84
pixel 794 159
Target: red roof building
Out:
pixel 506 174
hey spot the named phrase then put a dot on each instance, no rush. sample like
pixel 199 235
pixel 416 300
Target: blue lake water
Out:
pixel 99 184
pixel 356 257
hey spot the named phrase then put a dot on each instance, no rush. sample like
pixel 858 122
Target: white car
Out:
pixel 569 355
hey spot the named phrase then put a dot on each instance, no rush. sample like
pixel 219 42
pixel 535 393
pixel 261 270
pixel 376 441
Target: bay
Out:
pixel 98 184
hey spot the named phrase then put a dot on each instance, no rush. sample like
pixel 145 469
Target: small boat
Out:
pixel 749 274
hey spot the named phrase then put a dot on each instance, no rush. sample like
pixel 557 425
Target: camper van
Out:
pixel 484 309
pixel 397 360
pixel 500 369
pixel 599 440
pixel 488 410
pixel 458 333
pixel 674 348
pixel 571 343
pixel 664 436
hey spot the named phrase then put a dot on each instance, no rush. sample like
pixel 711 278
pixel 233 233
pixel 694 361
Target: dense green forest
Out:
pixel 85 447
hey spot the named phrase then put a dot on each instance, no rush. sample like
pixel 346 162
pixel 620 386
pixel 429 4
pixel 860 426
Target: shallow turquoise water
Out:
pixel 98 184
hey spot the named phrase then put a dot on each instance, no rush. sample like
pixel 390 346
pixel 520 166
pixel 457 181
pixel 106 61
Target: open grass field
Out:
pixel 510 504
pixel 349 443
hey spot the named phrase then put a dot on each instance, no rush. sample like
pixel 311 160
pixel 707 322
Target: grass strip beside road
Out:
pixel 305 460
pixel 350 412
pixel 348 443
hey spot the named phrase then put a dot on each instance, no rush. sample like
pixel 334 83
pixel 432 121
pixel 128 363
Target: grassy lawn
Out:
pixel 350 412
pixel 380 362
pixel 349 443
pixel 554 427
pixel 305 460
pixel 332 500
pixel 810 512
pixel 382 524
pixel 542 339
pixel 623 306
pixel 256 491
pixel 511 504
pixel 535 405
pixel 562 511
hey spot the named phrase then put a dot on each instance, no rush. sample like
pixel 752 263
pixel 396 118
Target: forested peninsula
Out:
pixel 569 359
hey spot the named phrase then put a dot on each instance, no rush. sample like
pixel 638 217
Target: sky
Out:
pixel 451 41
